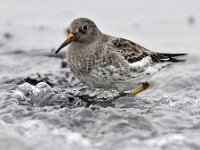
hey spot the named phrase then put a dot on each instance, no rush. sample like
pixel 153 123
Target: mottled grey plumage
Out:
pixel 110 63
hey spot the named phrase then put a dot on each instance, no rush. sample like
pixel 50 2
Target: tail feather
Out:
pixel 176 60
pixel 173 55
pixel 167 57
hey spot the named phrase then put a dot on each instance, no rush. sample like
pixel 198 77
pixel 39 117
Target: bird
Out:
pixel 109 63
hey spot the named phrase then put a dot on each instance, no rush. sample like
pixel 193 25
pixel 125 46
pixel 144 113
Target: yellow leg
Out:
pixel 144 87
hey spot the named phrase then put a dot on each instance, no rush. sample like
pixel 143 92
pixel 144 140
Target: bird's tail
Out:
pixel 167 57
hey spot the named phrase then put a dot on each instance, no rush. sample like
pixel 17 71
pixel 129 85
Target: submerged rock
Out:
pixel 44 95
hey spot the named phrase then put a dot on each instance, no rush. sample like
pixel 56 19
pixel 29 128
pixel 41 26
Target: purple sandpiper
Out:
pixel 110 63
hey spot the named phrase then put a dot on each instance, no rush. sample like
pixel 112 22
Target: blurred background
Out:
pixel 171 25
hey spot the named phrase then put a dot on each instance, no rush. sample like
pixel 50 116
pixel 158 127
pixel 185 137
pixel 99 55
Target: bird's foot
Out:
pixel 144 87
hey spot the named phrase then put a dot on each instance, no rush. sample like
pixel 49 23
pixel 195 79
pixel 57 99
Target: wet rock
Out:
pixel 42 27
pixel 63 63
pixel 191 20
pixel 37 78
pixel 8 35
pixel 43 95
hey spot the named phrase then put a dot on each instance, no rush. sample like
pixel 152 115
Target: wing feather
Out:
pixel 133 52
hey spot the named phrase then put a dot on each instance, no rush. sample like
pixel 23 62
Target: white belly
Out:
pixel 111 78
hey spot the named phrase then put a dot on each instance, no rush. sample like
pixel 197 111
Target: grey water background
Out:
pixel 59 115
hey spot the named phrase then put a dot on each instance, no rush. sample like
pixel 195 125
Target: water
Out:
pixel 42 105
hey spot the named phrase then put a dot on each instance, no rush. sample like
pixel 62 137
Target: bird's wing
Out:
pixel 133 52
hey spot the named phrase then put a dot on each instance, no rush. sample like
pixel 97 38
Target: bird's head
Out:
pixel 81 30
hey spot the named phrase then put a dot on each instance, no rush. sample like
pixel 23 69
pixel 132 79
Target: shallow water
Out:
pixel 42 105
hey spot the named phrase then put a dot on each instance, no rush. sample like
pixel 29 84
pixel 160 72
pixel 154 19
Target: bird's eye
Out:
pixel 85 27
